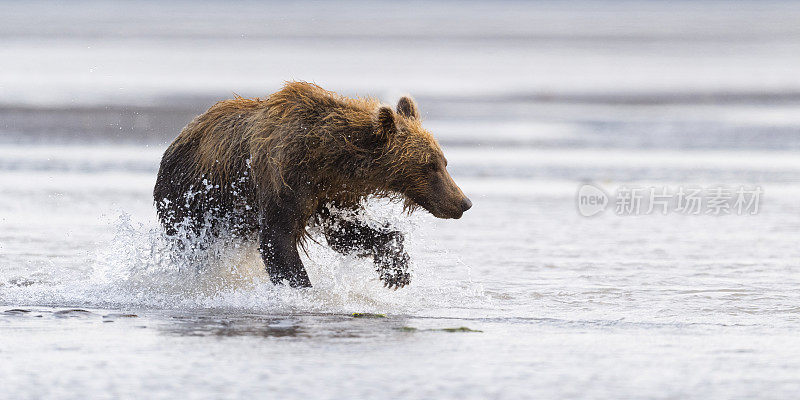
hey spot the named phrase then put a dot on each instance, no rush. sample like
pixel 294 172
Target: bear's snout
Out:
pixel 448 200
pixel 459 211
pixel 466 204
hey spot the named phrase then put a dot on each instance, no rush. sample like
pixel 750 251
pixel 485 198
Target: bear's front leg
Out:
pixel 385 245
pixel 391 259
pixel 279 248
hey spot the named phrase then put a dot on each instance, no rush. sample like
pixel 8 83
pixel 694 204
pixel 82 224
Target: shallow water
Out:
pixel 565 306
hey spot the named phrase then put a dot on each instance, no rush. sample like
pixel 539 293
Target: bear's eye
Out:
pixel 432 167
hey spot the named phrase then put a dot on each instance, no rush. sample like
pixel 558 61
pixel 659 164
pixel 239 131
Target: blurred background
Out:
pixel 529 101
pixel 532 73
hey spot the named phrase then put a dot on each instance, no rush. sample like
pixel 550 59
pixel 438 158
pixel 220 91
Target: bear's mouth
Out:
pixel 432 209
pixel 446 215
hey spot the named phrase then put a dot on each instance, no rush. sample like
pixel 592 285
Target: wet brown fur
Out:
pixel 309 143
pixel 298 149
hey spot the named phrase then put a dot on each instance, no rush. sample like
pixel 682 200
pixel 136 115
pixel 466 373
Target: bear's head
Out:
pixel 413 165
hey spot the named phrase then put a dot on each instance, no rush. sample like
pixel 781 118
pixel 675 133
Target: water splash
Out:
pixel 143 268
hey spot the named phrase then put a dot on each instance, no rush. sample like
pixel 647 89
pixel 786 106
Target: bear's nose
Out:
pixel 466 204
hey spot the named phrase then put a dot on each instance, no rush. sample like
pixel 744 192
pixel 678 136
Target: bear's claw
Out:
pixel 396 281
pixel 393 270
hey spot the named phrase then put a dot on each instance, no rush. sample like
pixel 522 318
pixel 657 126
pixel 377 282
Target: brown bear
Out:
pixel 275 166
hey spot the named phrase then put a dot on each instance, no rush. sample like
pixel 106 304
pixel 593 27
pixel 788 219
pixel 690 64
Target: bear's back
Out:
pixel 310 103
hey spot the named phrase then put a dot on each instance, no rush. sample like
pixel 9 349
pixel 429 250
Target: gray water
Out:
pixel 529 102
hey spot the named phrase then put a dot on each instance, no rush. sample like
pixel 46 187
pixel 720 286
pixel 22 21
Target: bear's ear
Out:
pixel 407 108
pixel 386 122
